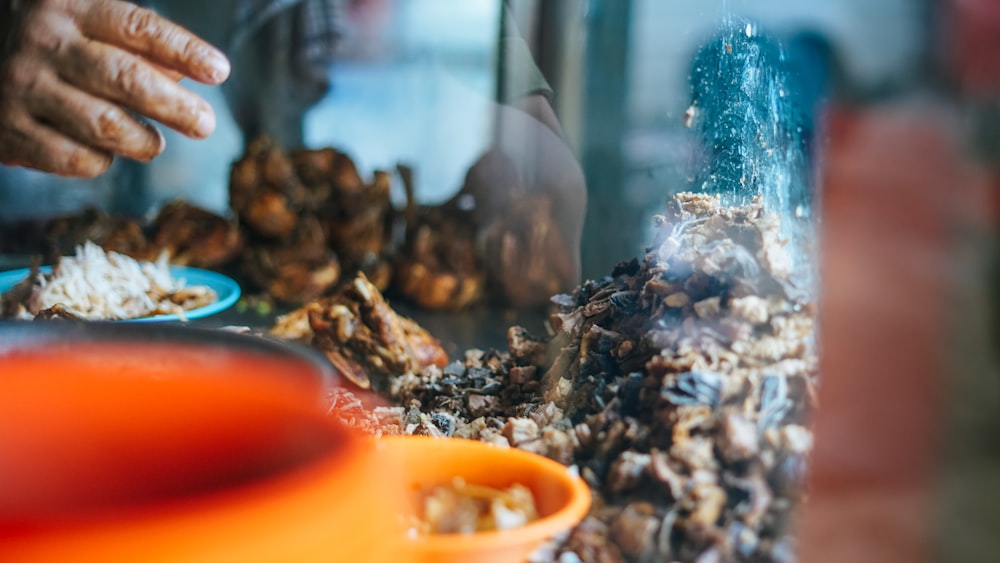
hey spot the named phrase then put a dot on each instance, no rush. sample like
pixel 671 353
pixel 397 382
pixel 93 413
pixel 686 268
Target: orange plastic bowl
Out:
pixel 158 351
pixel 212 461
pixel 562 498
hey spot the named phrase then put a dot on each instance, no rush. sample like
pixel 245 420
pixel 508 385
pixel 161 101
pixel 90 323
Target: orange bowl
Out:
pixel 157 351
pixel 184 461
pixel 561 497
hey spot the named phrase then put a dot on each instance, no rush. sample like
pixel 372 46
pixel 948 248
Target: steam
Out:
pixel 754 112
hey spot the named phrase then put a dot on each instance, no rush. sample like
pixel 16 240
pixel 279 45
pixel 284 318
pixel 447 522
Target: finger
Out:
pixel 40 147
pixel 145 33
pixel 108 72
pixel 171 74
pixel 94 122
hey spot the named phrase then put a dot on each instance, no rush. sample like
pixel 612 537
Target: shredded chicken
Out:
pixel 463 508
pixel 99 285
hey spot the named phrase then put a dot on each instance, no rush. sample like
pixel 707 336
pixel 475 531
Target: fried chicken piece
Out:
pixel 308 216
pixel 194 236
pixel 357 222
pixel 438 267
pixel 298 282
pixel 283 272
pixel 355 214
pixel 125 236
pixel 260 186
pixel 295 324
pixel 271 264
pixel 366 340
pixel 270 215
pixel 521 232
pixel 118 234
pixel 63 234
pixel 531 261
pixel 323 172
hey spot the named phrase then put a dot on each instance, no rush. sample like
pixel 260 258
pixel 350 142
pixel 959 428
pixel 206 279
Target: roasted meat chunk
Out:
pixel 296 270
pixel 193 236
pixel 356 219
pixel 308 216
pixel 438 266
pixel 366 340
pixel 261 189
pixel 528 258
pixel 190 235
pixel 118 234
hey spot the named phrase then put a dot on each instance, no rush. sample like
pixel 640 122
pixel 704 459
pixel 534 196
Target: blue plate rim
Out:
pixel 227 289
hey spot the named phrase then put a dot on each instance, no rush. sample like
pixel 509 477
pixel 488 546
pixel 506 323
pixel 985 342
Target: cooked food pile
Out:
pixel 438 265
pixel 463 508
pixel 304 222
pixel 99 285
pixel 362 336
pixel 189 235
pixel 307 216
pixel 681 385
pixel 311 222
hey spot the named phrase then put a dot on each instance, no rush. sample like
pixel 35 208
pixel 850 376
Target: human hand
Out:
pixel 529 197
pixel 78 76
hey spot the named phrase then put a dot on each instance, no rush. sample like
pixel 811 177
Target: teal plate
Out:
pixel 226 288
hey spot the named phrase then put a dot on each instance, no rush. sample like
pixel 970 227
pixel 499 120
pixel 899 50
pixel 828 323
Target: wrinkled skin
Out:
pixel 78 77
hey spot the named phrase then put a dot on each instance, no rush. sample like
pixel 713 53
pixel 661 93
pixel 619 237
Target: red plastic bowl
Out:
pixel 112 455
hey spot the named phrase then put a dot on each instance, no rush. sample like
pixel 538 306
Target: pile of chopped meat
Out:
pixel 681 386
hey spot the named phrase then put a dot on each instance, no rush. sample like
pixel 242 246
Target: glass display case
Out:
pixel 735 261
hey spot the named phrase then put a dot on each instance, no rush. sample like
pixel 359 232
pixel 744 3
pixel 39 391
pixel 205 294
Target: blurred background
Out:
pixel 903 111
pixel 415 81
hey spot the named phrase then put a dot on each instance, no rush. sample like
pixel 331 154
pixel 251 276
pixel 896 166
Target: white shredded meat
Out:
pixel 465 508
pixel 99 285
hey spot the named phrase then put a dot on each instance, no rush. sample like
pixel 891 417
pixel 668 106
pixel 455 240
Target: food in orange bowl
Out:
pixel 425 464
pixel 183 462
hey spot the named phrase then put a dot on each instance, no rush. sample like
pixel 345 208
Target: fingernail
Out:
pixel 206 123
pixel 161 144
pixel 219 66
pixel 155 147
